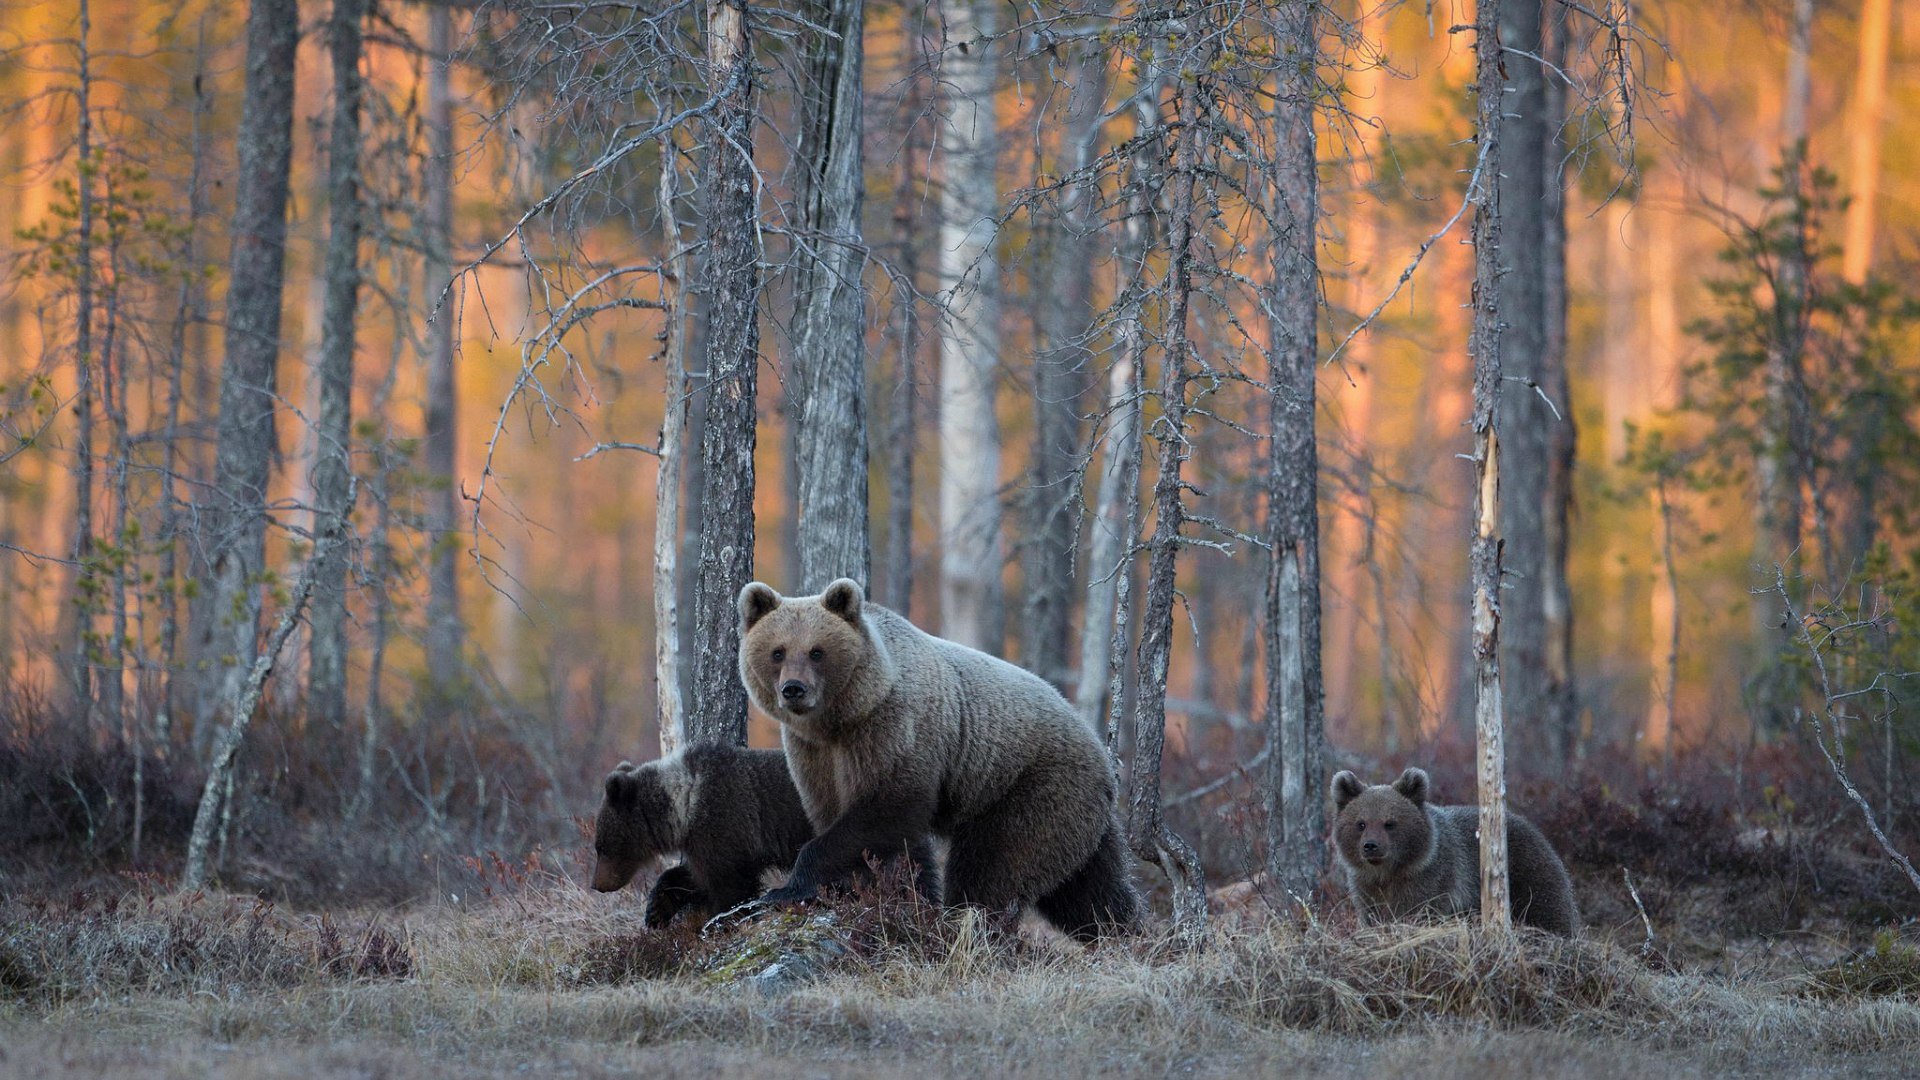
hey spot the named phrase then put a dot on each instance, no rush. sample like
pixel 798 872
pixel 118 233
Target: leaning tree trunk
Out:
pixel 1525 420
pixel 1148 833
pixel 732 282
pixel 970 563
pixel 1484 569
pixel 333 439
pixel 1296 815
pixel 442 411
pixel 831 354
pixel 236 515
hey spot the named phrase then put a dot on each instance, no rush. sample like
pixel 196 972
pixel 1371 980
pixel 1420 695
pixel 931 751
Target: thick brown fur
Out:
pixel 893 734
pixel 1404 857
pixel 731 814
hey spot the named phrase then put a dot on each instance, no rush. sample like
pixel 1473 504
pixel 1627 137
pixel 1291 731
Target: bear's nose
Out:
pixel 793 689
pixel 1370 847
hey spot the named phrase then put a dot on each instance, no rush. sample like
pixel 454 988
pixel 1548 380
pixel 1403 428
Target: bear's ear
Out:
pixel 1346 788
pixel 843 598
pixel 756 600
pixel 1413 784
pixel 621 787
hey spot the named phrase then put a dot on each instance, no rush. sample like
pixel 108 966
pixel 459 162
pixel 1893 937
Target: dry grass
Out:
pixel 563 981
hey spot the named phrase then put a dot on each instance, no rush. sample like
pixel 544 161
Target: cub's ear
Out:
pixel 622 787
pixel 843 598
pixel 1412 784
pixel 756 601
pixel 1346 788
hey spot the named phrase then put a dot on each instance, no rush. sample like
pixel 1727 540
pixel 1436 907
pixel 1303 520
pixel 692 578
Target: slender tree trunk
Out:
pixel 1061 360
pixel 439 449
pixel 1296 817
pixel 1562 716
pixel 333 439
pixel 902 429
pixel 971 598
pixel 80 633
pixel 1485 555
pixel 831 354
pixel 216 795
pixel 1867 120
pixel 732 281
pixel 236 514
pixel 670 718
pixel 1526 422
pixel 1666 617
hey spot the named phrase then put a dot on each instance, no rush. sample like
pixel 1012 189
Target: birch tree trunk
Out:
pixel 732 283
pixel 442 411
pixel 1866 119
pixel 1296 816
pixel 1525 421
pixel 971 600
pixel 236 514
pixel 1485 554
pixel 669 712
pixel 831 354
pixel 333 440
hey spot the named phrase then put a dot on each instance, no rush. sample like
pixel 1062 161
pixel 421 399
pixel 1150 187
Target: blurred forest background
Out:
pixel 441 429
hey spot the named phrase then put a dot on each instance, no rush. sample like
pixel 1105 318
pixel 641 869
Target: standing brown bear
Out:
pixel 732 814
pixel 1405 857
pixel 893 734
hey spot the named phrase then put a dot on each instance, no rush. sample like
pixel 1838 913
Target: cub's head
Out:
pixel 641 820
pixel 1382 828
pixel 807 658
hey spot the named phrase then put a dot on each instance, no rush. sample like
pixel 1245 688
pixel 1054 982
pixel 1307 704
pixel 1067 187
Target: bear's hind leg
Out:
pixel 1027 844
pixel 1098 900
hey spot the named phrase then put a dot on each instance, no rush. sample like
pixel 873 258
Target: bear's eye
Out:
pixel 1363 826
pixel 779 656
pixel 816 654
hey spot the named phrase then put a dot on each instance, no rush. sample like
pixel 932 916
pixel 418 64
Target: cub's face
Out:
pixel 631 829
pixel 1382 827
pixel 798 654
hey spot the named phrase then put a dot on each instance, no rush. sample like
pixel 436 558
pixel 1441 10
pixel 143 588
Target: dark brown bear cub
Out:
pixel 1405 857
pixel 732 815
pixel 894 735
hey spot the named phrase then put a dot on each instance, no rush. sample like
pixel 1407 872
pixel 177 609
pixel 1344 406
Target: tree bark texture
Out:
pixel 1151 838
pixel 971 600
pixel 236 513
pixel 1296 815
pixel 830 358
pixel 1485 554
pixel 333 441
pixel 1562 716
pixel 442 410
pixel 732 283
pixel 670 711
pixel 1525 420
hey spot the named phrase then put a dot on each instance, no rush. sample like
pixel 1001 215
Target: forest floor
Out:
pixel 548 979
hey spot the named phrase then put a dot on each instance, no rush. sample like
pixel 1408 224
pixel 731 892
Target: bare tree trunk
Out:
pixel 831 354
pixel 732 282
pixel 237 518
pixel 971 601
pixel 1866 119
pixel 1489 717
pixel 1562 716
pixel 439 447
pixel 670 713
pixel 1061 360
pixel 1525 421
pixel 333 439
pixel 1667 597
pixel 80 633
pixel 1296 816
pixel 1148 833
pixel 216 795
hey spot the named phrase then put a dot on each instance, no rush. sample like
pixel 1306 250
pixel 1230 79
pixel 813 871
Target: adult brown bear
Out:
pixel 893 735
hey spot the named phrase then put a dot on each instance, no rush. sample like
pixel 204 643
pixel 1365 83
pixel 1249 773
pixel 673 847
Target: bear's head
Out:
pixel 638 823
pixel 1382 828
pixel 810 662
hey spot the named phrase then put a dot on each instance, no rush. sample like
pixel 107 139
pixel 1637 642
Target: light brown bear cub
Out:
pixel 893 735
pixel 1405 857
pixel 732 814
